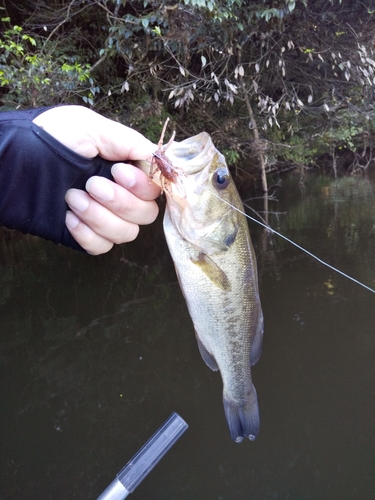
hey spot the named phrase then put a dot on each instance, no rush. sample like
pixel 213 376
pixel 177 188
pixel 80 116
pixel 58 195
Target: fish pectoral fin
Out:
pixel 212 271
pixel 207 357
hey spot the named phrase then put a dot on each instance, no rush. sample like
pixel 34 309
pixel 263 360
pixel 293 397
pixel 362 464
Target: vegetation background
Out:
pixel 277 84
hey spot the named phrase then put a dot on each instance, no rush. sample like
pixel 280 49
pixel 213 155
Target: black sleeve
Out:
pixel 36 170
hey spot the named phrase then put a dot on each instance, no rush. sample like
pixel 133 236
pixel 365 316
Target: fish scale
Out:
pixel 216 267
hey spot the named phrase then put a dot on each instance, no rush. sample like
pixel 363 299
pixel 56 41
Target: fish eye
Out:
pixel 221 178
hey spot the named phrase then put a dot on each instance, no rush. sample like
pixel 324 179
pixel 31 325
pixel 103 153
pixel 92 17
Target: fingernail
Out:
pixel 71 220
pixel 124 174
pixel 77 200
pixel 100 188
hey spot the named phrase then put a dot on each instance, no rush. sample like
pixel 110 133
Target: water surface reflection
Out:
pixel 97 352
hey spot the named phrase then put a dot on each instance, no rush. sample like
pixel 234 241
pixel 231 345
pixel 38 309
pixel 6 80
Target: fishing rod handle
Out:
pixel 145 460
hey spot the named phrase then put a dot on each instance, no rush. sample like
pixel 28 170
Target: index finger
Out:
pixel 136 181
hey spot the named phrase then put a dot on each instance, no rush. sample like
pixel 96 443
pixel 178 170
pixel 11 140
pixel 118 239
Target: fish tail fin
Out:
pixel 243 417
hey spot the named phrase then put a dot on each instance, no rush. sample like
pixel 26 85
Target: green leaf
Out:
pixel 29 39
pixel 156 30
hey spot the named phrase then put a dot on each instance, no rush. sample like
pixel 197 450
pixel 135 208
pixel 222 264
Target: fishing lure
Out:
pixel 161 163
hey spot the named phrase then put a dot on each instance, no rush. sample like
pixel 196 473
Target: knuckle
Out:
pixel 99 249
pixel 101 220
pixel 130 233
pixel 126 205
pixel 154 212
pixel 90 240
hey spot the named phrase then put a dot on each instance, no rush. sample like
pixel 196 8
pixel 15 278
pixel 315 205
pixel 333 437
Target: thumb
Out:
pixel 118 142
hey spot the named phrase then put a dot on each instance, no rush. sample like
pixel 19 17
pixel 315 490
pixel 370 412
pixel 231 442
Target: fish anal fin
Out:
pixel 212 271
pixel 207 357
pixel 256 345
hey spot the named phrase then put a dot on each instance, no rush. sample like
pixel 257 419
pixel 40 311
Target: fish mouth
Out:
pixel 194 153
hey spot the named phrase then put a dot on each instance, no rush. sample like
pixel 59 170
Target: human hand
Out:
pixel 109 212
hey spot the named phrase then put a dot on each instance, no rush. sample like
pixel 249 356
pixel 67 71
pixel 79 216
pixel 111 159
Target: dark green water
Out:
pixel 96 352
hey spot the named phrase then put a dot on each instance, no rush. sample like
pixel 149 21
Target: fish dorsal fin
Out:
pixel 256 345
pixel 212 271
pixel 207 357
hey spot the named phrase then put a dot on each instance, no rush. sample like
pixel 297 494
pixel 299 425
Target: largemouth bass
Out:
pixel 216 267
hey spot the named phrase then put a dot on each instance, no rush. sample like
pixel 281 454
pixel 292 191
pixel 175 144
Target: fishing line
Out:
pixel 295 244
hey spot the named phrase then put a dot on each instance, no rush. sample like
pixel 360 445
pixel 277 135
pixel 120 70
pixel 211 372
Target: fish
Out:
pixel 209 241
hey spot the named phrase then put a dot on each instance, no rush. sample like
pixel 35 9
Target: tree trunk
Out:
pixel 255 130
